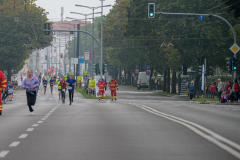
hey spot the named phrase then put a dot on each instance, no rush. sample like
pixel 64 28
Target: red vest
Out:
pixel 113 85
pixel 101 85
pixel 3 82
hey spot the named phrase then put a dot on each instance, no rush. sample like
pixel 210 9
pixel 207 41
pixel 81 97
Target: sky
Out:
pixel 54 8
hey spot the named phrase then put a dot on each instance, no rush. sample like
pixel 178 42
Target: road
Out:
pixel 139 125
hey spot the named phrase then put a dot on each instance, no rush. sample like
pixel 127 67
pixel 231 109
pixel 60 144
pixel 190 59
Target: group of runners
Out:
pixel 32 82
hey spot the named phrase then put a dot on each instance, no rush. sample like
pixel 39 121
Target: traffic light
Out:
pixel 45 57
pixel 97 69
pixel 47 27
pixel 103 68
pixel 234 64
pixel 229 64
pixel 61 55
pixel 151 10
pixel 200 70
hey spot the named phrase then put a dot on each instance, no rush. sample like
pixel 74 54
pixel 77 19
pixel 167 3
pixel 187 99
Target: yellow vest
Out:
pixel 59 87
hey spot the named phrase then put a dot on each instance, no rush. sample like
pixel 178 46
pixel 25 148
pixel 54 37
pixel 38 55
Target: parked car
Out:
pixel 143 80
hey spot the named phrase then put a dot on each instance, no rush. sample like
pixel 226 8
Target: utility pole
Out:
pixel 101 57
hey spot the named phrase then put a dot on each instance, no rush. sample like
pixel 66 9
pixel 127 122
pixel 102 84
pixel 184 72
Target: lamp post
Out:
pixel 93 9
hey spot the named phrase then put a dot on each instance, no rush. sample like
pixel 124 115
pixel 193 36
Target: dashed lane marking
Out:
pixel 14 144
pixel 30 129
pixel 23 136
pixel 3 154
pixel 40 122
pixel 35 125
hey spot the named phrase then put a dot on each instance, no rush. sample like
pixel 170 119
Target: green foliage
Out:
pixel 19 38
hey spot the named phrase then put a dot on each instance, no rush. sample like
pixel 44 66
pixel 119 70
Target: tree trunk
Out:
pixel 168 80
pixel 9 70
pixel 174 77
pixel 165 81
pixel 179 84
pixel 185 69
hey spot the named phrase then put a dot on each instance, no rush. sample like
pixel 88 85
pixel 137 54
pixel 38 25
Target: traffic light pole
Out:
pixel 73 31
pixel 197 14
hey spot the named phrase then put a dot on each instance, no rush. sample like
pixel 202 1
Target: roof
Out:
pixel 68 25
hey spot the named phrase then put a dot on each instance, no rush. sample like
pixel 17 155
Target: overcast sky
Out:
pixel 54 7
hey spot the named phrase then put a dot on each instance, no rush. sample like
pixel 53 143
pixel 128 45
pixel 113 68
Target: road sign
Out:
pixel 133 71
pixel 137 71
pixel 75 60
pixel 148 68
pixel 87 56
pixel 81 60
pixel 148 73
pixel 136 67
pixel 235 48
pixel 201 17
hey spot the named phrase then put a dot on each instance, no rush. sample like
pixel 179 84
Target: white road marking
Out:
pixel 46 117
pixel 51 99
pixel 40 122
pixel 235 109
pixel 227 108
pixel 23 136
pixel 108 101
pixel 214 137
pixel 30 129
pixel 3 154
pixel 43 119
pixel 35 125
pixel 14 144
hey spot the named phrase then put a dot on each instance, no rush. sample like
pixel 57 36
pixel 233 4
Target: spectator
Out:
pixel 232 96
pixel 212 90
pixel 220 89
pixel 224 86
pixel 191 90
pixel 158 84
pixel 224 97
pixel 236 88
pixel 213 81
pixel 229 87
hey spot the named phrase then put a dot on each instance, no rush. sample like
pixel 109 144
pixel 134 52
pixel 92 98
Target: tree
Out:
pixel 19 38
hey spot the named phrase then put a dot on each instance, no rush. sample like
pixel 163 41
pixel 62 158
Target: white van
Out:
pixel 143 80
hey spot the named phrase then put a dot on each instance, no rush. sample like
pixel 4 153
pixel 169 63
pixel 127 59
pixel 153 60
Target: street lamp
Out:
pixel 93 8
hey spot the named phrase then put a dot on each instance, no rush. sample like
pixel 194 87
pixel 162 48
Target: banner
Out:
pixel 79 79
pixel 87 56
pixel 91 84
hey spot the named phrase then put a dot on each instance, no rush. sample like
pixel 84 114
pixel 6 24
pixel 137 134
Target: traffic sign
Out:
pixel 133 71
pixel 235 48
pixel 81 60
pixel 148 68
pixel 148 73
pixel 201 17
pixel 136 67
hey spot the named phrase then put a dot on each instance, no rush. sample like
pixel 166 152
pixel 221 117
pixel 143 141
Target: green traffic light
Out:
pixel 151 14
pixel 234 68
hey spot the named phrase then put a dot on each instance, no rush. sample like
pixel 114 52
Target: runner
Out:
pixel 44 84
pixel 30 83
pixel 59 90
pixel 71 83
pixel 3 84
pixel 63 88
pixel 51 84
pixel 10 91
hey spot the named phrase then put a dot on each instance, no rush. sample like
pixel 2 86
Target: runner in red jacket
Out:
pixel 3 85
pixel 101 85
pixel 113 85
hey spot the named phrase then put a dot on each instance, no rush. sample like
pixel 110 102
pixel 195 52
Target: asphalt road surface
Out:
pixel 140 125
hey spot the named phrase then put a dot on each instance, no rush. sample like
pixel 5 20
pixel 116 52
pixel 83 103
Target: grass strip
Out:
pixel 87 96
